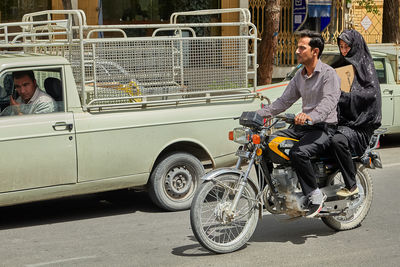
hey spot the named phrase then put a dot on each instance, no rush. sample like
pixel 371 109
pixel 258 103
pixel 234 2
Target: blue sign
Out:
pixel 320 9
pixel 299 13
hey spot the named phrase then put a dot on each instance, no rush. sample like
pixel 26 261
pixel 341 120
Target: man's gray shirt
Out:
pixel 320 94
pixel 39 103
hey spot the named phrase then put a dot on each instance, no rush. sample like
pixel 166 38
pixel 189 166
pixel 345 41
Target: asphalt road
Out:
pixel 125 229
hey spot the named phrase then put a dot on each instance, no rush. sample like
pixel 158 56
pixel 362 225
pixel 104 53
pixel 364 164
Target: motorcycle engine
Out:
pixel 286 181
pixel 286 178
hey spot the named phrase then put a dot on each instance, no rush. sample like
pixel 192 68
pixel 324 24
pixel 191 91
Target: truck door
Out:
pixel 387 90
pixel 36 150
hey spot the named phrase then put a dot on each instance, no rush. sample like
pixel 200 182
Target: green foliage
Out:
pixel 369 5
pixel 189 5
pixel 186 5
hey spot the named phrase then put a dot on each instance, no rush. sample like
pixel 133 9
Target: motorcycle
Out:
pixel 226 207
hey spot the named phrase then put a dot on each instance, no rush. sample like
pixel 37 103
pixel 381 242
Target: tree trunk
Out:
pixel 390 23
pixel 67 4
pixel 269 41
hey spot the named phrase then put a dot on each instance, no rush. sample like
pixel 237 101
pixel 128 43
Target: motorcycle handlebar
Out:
pixel 308 122
pixel 289 118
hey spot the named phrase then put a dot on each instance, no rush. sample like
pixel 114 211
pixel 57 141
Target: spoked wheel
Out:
pixel 359 205
pixel 215 226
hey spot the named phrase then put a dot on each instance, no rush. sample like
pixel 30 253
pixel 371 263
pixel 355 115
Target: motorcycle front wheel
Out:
pixel 214 226
pixel 359 205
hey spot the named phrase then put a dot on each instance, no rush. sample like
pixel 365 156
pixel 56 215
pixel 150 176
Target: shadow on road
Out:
pixel 277 228
pixel 194 250
pixel 76 208
pixel 271 229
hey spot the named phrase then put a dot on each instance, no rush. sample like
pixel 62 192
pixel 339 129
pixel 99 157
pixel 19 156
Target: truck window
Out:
pixel 6 88
pixel 50 82
pixel 20 96
pixel 380 69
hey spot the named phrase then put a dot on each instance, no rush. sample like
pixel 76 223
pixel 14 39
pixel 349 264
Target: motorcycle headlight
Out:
pixel 240 135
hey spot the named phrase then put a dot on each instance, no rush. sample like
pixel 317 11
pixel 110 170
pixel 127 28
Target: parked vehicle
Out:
pixel 386 63
pixel 227 206
pixel 146 112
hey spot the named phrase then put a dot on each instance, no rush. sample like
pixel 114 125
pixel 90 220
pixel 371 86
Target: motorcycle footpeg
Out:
pixel 334 206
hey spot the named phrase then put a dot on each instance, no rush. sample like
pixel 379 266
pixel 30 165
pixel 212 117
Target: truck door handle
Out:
pixel 62 126
pixel 388 92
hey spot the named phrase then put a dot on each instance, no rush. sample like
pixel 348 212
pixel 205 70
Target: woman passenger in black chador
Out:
pixel 359 111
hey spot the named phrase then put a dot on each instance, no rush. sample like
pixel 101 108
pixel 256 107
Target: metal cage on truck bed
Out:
pixel 168 63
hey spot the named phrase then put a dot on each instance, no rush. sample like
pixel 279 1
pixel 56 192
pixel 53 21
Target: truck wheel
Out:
pixel 174 181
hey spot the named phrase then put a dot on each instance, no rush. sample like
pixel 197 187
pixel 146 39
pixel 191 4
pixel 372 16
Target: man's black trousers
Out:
pixel 313 140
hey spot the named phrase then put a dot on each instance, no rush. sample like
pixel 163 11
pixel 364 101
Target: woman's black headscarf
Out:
pixel 360 109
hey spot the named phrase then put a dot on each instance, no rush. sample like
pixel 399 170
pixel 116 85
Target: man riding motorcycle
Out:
pixel 319 87
pixel 227 205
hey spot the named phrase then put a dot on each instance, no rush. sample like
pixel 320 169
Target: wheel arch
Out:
pixel 189 146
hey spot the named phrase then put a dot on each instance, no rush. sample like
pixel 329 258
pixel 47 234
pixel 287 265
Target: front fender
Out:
pixel 217 172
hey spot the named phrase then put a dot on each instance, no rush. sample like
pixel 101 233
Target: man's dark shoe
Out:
pixel 316 203
pixel 304 202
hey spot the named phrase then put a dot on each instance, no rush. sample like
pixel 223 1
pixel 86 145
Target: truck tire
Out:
pixel 174 181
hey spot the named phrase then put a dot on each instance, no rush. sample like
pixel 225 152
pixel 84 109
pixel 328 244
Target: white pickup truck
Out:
pixel 148 111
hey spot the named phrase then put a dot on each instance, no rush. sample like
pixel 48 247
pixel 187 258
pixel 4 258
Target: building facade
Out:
pixel 327 16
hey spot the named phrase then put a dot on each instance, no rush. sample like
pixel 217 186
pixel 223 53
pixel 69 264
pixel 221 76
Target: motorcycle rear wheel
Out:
pixel 359 207
pixel 209 217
